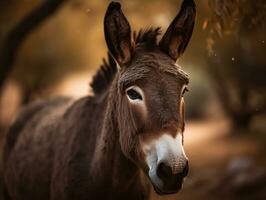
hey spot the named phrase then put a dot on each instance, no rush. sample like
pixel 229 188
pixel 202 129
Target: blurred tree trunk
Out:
pixel 240 113
pixel 20 32
pixel 235 60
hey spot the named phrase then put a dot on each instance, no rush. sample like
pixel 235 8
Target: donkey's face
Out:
pixel 150 88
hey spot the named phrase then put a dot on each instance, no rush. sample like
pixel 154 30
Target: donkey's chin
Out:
pixel 168 191
pixel 166 188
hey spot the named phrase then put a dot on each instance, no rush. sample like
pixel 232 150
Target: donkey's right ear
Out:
pixel 177 36
pixel 117 33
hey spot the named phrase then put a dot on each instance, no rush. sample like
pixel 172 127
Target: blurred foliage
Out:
pixel 236 57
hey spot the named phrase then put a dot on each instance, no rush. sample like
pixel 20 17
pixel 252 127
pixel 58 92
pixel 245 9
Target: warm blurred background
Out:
pixel 50 47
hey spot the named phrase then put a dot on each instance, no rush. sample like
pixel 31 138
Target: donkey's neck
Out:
pixel 109 162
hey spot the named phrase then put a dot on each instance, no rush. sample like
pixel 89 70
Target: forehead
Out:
pixel 152 66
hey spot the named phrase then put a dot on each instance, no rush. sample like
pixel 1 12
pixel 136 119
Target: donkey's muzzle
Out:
pixel 172 182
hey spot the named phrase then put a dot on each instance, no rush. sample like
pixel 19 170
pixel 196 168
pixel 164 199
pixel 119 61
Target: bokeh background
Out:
pixel 53 47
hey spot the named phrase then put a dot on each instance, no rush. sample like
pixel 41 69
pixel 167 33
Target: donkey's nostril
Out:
pixel 185 170
pixel 164 171
pixel 171 181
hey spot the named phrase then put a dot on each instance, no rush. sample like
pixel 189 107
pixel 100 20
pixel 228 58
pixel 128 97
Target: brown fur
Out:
pixel 90 148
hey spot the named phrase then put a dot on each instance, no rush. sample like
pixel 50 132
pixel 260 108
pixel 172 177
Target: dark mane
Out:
pixel 147 37
pixel 105 74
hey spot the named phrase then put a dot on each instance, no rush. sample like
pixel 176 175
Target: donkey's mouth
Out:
pixel 168 191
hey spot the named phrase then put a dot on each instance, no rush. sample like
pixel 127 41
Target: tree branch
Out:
pixel 20 32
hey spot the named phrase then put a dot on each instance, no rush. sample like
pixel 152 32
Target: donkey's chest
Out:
pixel 106 192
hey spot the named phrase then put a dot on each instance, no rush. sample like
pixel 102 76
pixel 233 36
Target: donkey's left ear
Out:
pixel 178 34
pixel 117 33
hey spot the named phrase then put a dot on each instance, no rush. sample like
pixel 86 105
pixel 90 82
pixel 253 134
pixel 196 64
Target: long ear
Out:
pixel 178 34
pixel 117 33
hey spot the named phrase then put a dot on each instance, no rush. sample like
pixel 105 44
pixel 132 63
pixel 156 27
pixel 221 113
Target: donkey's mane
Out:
pixel 105 74
pixel 147 37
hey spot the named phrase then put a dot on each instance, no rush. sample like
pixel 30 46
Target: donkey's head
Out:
pixel 150 87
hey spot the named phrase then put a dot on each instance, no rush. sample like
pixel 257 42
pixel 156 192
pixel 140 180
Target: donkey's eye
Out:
pixel 133 94
pixel 185 89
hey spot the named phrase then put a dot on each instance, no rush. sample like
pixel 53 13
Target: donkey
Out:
pixel 113 144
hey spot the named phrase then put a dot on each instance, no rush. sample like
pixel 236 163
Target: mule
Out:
pixel 118 142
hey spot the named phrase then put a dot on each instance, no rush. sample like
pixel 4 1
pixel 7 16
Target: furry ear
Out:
pixel 117 33
pixel 178 34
